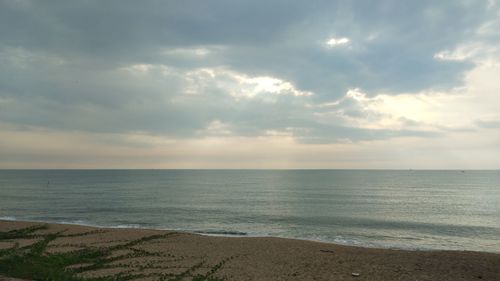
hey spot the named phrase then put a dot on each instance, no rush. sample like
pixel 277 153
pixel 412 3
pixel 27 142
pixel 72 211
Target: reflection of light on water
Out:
pixel 389 209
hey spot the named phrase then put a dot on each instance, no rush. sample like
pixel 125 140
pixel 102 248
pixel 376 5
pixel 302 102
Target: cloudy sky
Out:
pixel 250 84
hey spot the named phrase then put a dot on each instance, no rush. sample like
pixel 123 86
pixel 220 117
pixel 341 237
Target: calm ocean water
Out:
pixel 401 209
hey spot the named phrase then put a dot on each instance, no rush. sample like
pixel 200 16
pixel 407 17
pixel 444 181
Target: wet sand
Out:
pixel 167 255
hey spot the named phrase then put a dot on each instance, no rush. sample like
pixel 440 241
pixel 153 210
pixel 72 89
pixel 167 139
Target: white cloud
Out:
pixel 462 107
pixel 240 85
pixel 451 56
pixel 478 48
pixel 145 69
pixel 468 52
pixel 201 51
pixel 333 42
pixel 266 84
pixel 201 81
pixel 139 68
pixel 458 109
pixel 216 128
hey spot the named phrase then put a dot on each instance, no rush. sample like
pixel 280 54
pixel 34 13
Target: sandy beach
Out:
pixel 71 251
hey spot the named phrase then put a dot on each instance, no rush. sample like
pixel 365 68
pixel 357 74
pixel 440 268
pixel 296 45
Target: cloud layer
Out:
pixel 274 84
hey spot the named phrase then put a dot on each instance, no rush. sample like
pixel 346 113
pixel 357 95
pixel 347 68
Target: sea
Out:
pixel 403 209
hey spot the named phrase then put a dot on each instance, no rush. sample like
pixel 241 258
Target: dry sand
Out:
pixel 257 258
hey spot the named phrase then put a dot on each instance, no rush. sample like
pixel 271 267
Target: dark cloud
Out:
pixel 64 63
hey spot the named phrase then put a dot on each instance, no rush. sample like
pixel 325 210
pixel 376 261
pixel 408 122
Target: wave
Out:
pixel 221 233
pixel 369 240
pixel 8 218
pixel 129 225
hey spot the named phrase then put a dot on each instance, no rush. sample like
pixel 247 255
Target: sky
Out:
pixel 273 84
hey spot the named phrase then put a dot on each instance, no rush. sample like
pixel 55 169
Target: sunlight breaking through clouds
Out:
pixel 459 109
pixel 266 84
pixel 349 80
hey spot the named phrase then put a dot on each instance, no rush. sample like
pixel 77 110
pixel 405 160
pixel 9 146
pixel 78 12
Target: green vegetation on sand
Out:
pixel 35 263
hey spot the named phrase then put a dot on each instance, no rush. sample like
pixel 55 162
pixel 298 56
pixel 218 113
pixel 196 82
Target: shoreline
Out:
pixel 150 254
pixel 240 234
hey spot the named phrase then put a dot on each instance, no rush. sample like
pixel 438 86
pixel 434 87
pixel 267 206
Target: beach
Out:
pixel 73 251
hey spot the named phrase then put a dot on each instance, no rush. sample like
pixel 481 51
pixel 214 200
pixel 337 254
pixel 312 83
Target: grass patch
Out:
pixel 35 263
pixel 23 233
